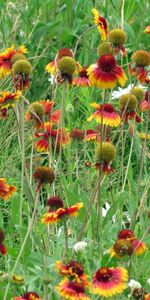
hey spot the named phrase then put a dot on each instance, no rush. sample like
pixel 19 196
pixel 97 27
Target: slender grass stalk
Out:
pixel 24 241
pixel 22 137
pixel 89 206
pixel 129 161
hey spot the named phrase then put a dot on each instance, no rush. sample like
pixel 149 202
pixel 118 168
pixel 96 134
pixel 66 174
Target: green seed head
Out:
pixel 106 152
pixel 104 48
pixel 130 99
pixel 17 56
pixel 22 66
pixel 67 65
pixel 138 92
pixel 117 37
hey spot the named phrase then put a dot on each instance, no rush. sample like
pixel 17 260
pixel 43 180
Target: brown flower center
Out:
pixel 83 73
pixel 107 63
pixel 78 288
pixel 54 202
pixel 76 267
pixel 107 107
pixel 104 274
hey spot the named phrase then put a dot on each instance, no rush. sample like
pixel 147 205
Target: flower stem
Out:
pixel 24 241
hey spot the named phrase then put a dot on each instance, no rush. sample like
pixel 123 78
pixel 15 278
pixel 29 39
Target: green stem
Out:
pixel 24 241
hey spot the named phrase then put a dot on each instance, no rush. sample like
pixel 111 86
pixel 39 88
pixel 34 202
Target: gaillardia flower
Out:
pixel 91 135
pixel 66 68
pixel 57 136
pixel 8 99
pixel 72 290
pixel 28 296
pixel 104 48
pixel 52 67
pixel 77 134
pixel 6 59
pixel 105 73
pixel 138 92
pixel 101 24
pixel 139 64
pixel 73 270
pixel 82 79
pixel 44 175
pixel 6 190
pixel 42 111
pixel 108 282
pixel 128 103
pixel 105 114
pixel 105 153
pixel 127 244
pixel 117 38
pixel 21 70
pixel 3 249
pixel 145 104
pixel 56 213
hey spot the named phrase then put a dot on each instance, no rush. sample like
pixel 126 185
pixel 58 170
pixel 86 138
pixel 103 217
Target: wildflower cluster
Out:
pixel 55 205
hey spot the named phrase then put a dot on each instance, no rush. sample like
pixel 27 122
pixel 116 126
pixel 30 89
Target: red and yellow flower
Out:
pixel 101 24
pixel 117 38
pixel 105 153
pixel 52 67
pixel 82 79
pixel 73 270
pixel 127 244
pixel 145 104
pixel 72 290
pixel 3 249
pixel 8 99
pixel 147 297
pixel 108 282
pixel 139 65
pixel 105 114
pixel 40 111
pixel 28 296
pixel 6 190
pixel 91 135
pixel 128 103
pixel 105 73
pixel 53 216
pixel 5 59
pixel 58 136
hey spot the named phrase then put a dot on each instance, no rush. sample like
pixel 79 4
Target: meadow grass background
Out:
pixel 44 27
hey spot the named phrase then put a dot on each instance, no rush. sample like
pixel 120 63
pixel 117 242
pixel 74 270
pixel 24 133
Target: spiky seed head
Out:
pixel 123 247
pixel 106 152
pixel 117 37
pixel 141 58
pixel 37 108
pixel 130 99
pixel 18 56
pixel 138 92
pixel 22 66
pixel 55 202
pixel 77 134
pixel 104 48
pixel 67 65
pixel 44 174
